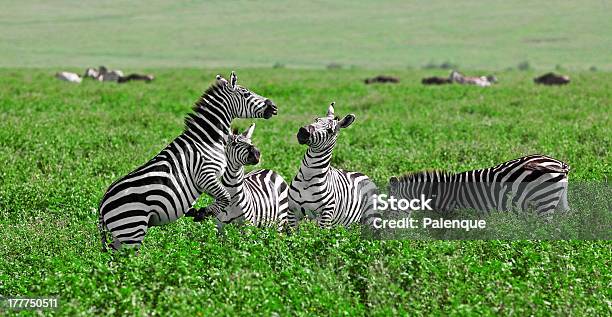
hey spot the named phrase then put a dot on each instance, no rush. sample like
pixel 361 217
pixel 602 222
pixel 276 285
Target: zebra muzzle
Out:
pixel 303 136
pixel 254 156
pixel 271 109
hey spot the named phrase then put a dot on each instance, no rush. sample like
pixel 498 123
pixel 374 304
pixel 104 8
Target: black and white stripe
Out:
pixel 258 198
pixel 333 196
pixel 535 182
pixel 161 190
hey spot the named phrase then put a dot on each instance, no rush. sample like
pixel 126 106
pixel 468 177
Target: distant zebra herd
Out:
pixel 209 158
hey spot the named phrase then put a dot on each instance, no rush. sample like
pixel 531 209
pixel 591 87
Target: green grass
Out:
pixel 375 34
pixel 61 145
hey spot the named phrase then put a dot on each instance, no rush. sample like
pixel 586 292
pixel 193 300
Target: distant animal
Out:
pixel 331 196
pixel 382 79
pixel 103 74
pixel 131 77
pixel 109 75
pixel 534 181
pixel 259 197
pixel 552 79
pixel 482 81
pixel 91 73
pixel 164 188
pixel 69 77
pixel 436 80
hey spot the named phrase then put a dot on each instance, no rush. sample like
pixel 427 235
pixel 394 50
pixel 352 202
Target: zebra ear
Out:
pixel 346 121
pixel 233 80
pixel 249 132
pixel 330 110
pixel 221 80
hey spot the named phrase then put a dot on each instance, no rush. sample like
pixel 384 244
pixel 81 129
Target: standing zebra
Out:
pixel 161 190
pixel 534 181
pixel 334 196
pixel 260 197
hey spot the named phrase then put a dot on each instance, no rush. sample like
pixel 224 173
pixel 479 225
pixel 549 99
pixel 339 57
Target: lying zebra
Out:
pixel 534 181
pixel 482 81
pixel 161 190
pixel 259 197
pixel 334 196
pixel 69 77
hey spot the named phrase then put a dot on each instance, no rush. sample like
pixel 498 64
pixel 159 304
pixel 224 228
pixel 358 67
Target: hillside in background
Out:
pixel 383 34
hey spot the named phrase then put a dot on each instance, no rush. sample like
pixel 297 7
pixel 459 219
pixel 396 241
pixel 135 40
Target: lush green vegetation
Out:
pixel 392 33
pixel 62 144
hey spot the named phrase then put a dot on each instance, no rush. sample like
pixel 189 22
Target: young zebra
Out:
pixel 534 181
pixel 334 196
pixel 161 190
pixel 260 197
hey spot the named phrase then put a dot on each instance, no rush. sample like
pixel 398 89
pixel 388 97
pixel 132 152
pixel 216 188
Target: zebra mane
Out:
pixel 425 175
pixel 199 105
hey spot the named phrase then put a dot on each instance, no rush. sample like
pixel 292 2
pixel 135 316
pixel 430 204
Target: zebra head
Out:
pixel 322 133
pixel 243 102
pixel 240 150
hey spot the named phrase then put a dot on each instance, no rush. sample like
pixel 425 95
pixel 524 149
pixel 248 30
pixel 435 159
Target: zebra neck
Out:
pixel 210 122
pixel 233 180
pixel 315 163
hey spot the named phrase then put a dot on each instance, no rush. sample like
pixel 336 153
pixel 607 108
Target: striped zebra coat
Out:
pixel 258 198
pixel 164 188
pixel 535 182
pixel 320 191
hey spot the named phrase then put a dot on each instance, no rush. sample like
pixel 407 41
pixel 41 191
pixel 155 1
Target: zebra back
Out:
pixel 531 182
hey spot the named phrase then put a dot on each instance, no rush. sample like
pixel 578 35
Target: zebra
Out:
pixel 333 196
pixel 482 81
pixel 533 181
pixel 259 197
pixel 161 190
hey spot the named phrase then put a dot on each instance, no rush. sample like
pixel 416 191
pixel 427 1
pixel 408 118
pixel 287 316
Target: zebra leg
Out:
pixel 294 217
pixel 282 205
pixel 295 213
pixel 282 223
pixel 325 220
pixel 213 187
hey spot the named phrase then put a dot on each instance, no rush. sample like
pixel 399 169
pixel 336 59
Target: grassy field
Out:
pixel 375 34
pixel 61 145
